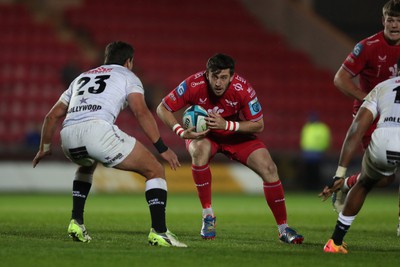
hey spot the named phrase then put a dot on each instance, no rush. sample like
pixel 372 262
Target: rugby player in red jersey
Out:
pixel 235 117
pixel 372 61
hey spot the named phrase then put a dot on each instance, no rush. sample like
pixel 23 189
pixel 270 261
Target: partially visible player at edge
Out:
pixel 235 116
pixel 90 106
pixel 381 158
pixel 373 60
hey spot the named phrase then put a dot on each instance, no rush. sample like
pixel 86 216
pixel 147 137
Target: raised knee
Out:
pixel 157 171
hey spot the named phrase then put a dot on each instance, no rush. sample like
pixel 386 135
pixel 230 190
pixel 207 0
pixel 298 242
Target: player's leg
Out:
pixel 80 191
pixel 200 151
pixel 142 161
pixel 73 145
pixel 354 201
pixel 257 158
pixel 338 198
pixel 398 226
pixel 370 177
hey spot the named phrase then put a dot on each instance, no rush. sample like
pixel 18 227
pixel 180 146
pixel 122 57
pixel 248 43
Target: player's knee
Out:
pixel 156 170
pixel 85 173
pixel 84 177
pixel 271 169
pixel 199 151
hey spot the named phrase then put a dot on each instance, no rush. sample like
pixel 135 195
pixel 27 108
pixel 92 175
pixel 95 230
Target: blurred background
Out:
pixel 288 50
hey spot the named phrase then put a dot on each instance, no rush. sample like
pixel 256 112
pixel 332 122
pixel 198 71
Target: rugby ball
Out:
pixel 194 116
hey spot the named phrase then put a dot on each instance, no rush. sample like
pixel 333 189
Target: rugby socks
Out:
pixel 156 196
pixel 80 192
pixel 275 197
pixel 202 179
pixel 342 226
pixel 352 180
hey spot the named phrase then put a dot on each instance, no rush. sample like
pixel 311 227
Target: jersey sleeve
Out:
pixel 133 84
pixel 252 110
pixel 371 102
pixel 357 59
pixel 66 95
pixel 177 98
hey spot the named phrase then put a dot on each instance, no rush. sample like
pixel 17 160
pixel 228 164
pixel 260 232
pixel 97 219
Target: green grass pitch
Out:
pixel 33 232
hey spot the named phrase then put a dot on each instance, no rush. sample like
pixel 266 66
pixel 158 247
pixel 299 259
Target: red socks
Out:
pixel 202 179
pixel 275 197
pixel 352 180
pixel 273 193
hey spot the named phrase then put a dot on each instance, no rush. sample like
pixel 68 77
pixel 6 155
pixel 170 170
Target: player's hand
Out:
pixel 337 183
pixel 39 156
pixel 190 133
pixel 215 121
pixel 172 159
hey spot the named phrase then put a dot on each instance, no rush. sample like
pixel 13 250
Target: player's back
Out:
pixel 385 100
pixel 100 93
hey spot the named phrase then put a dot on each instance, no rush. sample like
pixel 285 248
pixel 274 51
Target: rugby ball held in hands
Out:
pixel 194 116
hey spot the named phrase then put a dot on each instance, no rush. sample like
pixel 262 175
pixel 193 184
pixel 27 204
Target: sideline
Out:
pixel 57 177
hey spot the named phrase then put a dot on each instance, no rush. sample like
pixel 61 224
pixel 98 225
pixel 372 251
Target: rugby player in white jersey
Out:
pixel 90 106
pixel 380 160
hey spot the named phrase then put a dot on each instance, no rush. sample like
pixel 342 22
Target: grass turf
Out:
pixel 33 232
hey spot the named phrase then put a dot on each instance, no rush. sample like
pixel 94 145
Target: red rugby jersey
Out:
pixel 238 101
pixel 374 60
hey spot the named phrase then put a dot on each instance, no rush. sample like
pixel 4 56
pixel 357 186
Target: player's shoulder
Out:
pixel 242 86
pixel 196 80
pixel 370 43
pixel 392 82
pixel 198 76
pixel 373 40
pixel 103 69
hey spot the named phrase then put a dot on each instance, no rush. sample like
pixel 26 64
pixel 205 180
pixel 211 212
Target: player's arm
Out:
pixel 168 118
pixel 57 112
pixel 147 122
pixel 216 122
pixel 356 131
pixel 344 81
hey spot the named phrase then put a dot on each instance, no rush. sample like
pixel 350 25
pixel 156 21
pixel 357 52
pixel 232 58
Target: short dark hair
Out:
pixel 117 53
pixel 391 8
pixel 220 62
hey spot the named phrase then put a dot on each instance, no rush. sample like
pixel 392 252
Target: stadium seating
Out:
pixel 32 58
pixel 173 39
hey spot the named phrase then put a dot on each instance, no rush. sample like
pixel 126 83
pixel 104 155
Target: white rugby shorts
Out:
pixel 96 140
pixel 383 153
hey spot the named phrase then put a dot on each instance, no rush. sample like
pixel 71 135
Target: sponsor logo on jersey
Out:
pixel 230 103
pixel 99 70
pixel 181 89
pixel 216 110
pixel 202 101
pixel 172 97
pixel 350 59
pixel 254 106
pixel 392 119
pixel 83 100
pixel 111 160
pixel 194 84
pixel 372 42
pixel 382 58
pixel 199 74
pixel 251 91
pixel 239 78
pixel 238 86
pixel 357 49
pixel 89 107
